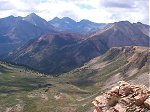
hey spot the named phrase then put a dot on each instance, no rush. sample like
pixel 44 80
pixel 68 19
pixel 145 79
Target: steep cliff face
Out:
pixel 124 98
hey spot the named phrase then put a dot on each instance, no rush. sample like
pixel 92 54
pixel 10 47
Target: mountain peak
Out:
pixel 85 20
pixel 116 25
pixel 67 19
pixel 33 15
pixel 10 17
pixel 139 22
pixel 36 20
pixel 55 19
pixel 122 23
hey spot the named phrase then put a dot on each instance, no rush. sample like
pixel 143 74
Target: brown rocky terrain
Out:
pixel 124 97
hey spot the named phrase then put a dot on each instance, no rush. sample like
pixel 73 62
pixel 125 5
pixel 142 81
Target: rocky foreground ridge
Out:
pixel 124 98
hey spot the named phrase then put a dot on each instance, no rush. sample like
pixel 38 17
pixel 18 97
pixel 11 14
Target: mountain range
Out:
pixel 57 53
pixel 16 31
pixel 68 25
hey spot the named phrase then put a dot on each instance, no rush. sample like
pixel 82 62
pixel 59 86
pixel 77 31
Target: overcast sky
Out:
pixel 102 11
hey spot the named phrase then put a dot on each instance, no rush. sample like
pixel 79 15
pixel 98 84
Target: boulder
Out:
pixel 115 90
pixel 120 108
pixel 139 99
pixel 147 103
pixel 125 91
pixel 125 100
pixel 125 88
pixel 101 100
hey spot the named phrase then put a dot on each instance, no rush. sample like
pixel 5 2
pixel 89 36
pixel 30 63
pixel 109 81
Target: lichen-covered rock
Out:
pixel 124 98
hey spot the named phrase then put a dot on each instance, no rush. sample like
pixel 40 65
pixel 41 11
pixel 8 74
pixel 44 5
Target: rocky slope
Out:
pixel 118 63
pixel 100 74
pixel 68 57
pixel 124 97
pixel 123 33
pixel 24 90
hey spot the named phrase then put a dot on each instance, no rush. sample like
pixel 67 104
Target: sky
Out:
pixel 100 11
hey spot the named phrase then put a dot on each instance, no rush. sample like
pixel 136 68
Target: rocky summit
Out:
pixel 124 97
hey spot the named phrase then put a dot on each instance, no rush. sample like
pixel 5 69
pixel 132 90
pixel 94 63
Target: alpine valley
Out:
pixel 61 65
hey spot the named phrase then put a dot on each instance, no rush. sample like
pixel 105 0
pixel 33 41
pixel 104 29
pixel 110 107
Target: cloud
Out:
pixel 103 11
pixel 83 6
pixel 131 10
pixel 113 4
pixel 5 5
pixel 118 3
pixel 68 13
